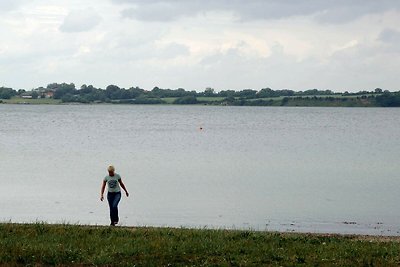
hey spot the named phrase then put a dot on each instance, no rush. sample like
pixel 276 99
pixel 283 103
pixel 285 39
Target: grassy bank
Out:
pixel 39 101
pixel 71 244
pixel 304 101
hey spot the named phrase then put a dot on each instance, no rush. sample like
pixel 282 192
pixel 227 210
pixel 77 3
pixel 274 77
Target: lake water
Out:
pixel 263 168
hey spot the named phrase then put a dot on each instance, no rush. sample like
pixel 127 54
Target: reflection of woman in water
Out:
pixel 113 180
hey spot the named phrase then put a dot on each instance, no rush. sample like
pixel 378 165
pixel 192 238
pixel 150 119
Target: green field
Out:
pixel 210 99
pixel 19 100
pixel 311 96
pixel 43 244
pixel 170 100
pixel 305 101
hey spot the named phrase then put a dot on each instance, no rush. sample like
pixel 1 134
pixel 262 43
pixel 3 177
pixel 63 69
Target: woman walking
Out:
pixel 113 181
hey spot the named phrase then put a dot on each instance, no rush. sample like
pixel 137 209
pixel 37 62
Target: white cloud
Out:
pixel 80 21
pixel 334 11
pixel 195 44
pixel 390 36
pixel 7 5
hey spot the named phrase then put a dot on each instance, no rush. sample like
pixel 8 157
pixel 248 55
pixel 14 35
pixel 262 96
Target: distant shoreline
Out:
pixel 298 101
pixel 57 93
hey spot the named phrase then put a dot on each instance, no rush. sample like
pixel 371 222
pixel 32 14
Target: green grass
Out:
pixel 337 102
pixel 208 99
pixel 43 244
pixel 311 96
pixel 170 100
pixel 19 100
pixel 306 101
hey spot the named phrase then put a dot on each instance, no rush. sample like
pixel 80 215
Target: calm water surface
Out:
pixel 286 169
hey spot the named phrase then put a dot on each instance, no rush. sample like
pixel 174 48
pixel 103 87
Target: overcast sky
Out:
pixel 193 44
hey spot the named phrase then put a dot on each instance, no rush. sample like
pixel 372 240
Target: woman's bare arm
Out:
pixel 103 187
pixel 123 187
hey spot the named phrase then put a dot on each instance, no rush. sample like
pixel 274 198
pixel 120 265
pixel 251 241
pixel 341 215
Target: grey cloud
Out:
pixel 133 52
pixel 7 5
pixel 353 69
pixel 331 11
pixel 174 50
pixel 390 36
pixel 351 10
pixel 161 11
pixel 217 57
pixel 232 70
pixel 80 21
pixel 391 41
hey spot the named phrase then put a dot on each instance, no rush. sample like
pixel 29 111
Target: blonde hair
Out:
pixel 111 168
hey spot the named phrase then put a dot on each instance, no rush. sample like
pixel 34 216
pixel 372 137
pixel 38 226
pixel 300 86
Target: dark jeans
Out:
pixel 113 200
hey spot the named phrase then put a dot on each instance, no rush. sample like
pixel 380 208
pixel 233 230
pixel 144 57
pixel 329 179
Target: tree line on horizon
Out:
pixel 136 95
